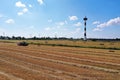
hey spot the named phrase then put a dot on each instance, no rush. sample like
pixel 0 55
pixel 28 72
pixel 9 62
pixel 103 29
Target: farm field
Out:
pixel 44 62
pixel 72 43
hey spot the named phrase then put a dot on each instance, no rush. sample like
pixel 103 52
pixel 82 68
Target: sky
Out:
pixel 60 18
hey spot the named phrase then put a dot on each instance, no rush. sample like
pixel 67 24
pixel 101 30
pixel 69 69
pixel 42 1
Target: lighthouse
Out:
pixel 85 36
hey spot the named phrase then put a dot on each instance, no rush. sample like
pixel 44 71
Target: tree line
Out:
pixel 54 38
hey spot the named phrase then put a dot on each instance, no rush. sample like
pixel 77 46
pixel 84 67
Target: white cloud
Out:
pixel 78 24
pixel 10 21
pixel 66 22
pixel 96 22
pixel 61 23
pixel 32 27
pixel 3 31
pixel 1 15
pixel 50 20
pixel 20 13
pixel 97 29
pixel 58 27
pixel 30 5
pixel 20 4
pixel 47 28
pixel 77 30
pixel 73 18
pixel 40 2
pixel 111 22
pixel 25 10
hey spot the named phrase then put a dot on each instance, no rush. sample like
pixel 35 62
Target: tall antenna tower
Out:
pixel 85 19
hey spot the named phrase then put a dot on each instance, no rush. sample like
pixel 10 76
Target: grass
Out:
pixel 72 43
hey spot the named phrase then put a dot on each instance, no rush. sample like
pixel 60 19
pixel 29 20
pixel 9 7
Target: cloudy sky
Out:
pixel 61 18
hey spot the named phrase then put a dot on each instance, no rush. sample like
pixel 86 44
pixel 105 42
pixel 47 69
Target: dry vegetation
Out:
pixel 114 45
pixel 59 63
pixel 104 44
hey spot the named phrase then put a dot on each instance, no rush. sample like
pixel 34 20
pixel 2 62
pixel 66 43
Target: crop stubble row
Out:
pixel 70 59
pixel 68 71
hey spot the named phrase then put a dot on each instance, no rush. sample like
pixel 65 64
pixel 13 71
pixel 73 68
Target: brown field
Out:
pixel 57 63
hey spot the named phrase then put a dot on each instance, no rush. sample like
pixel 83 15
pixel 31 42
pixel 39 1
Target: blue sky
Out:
pixel 61 18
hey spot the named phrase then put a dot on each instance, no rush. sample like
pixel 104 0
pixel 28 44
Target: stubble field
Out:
pixel 57 63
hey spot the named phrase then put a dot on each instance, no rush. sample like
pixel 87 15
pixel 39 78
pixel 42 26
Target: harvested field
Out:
pixel 57 63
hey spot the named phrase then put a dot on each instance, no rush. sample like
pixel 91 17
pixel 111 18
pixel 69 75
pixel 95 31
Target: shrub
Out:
pixel 101 44
pixel 22 44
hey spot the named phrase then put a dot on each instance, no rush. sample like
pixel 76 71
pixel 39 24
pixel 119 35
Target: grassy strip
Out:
pixel 63 45
pixel 7 41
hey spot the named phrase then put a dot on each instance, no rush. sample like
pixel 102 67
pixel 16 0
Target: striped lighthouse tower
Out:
pixel 85 36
